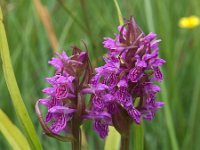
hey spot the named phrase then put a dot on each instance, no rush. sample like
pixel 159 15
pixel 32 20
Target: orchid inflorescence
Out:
pixel 122 91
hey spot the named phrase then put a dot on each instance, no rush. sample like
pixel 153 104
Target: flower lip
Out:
pixel 98 116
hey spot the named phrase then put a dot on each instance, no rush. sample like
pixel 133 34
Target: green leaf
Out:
pixel 138 136
pixel 121 21
pixel 112 140
pixel 13 135
pixel 11 82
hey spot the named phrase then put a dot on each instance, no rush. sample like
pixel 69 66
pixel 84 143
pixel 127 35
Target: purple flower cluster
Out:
pixel 125 84
pixel 122 91
pixel 62 95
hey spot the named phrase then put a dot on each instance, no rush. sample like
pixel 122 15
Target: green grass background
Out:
pixel 176 125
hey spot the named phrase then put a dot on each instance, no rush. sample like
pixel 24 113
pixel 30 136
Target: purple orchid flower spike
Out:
pixel 124 88
pixel 65 102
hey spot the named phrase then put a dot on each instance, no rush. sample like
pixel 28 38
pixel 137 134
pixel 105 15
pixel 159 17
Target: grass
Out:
pixel 30 50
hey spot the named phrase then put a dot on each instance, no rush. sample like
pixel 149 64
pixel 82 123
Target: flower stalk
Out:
pixel 125 141
pixel 76 132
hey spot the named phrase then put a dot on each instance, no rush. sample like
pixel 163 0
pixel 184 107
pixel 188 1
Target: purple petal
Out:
pixel 48 117
pixel 61 109
pixel 44 101
pixel 63 56
pixel 123 97
pixel 158 76
pixel 150 36
pixel 122 83
pixel 57 63
pixel 109 43
pixel 148 115
pixel 61 92
pixel 135 74
pixel 135 114
pixel 154 44
pixel 101 87
pixel 158 62
pixel 88 91
pixel 142 64
pixel 111 80
pixel 159 104
pixel 82 56
pixel 49 91
pixel 95 115
pixel 98 103
pixel 101 128
pixel 59 124
pixel 52 80
pixel 154 88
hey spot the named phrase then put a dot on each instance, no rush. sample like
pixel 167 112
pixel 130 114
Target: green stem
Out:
pixel 125 140
pixel 124 143
pixel 86 28
pixel 87 24
pixel 73 17
pixel 76 131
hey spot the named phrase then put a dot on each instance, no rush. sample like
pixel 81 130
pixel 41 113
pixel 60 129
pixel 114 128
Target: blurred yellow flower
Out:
pixel 189 22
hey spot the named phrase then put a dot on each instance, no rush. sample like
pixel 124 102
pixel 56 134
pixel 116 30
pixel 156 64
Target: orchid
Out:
pixel 65 102
pixel 125 85
pixel 122 91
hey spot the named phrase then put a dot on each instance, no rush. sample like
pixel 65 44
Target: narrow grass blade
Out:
pixel 168 116
pixel 14 90
pixel 112 140
pixel 84 143
pixel 69 12
pixel 138 136
pixel 149 15
pixel 121 22
pixel 12 134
